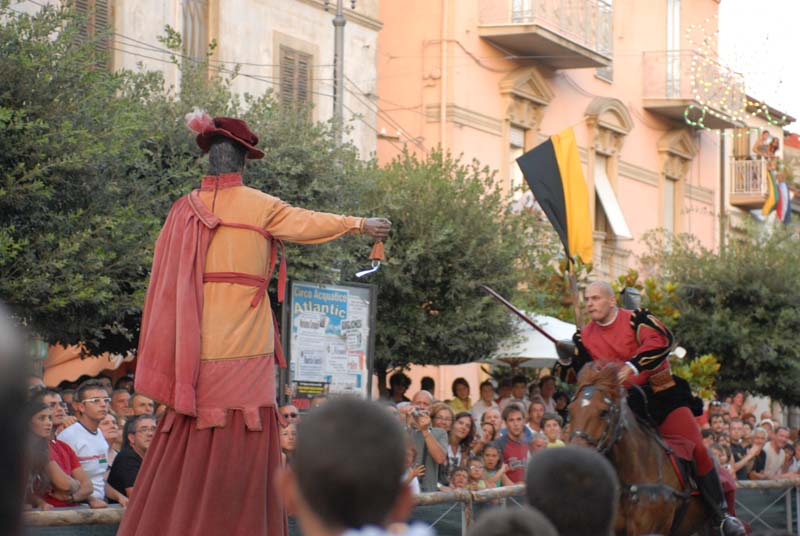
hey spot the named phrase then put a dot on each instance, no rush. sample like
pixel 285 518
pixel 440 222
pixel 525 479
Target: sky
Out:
pixel 759 39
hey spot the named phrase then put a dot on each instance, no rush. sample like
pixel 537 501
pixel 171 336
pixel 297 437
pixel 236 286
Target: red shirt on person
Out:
pixel 67 460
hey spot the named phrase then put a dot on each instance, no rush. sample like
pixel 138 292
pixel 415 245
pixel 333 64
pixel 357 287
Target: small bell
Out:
pixel 376 256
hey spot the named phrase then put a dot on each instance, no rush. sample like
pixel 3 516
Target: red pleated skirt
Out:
pixel 210 481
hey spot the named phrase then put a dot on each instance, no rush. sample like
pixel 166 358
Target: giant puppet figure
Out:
pixel 639 341
pixel 208 347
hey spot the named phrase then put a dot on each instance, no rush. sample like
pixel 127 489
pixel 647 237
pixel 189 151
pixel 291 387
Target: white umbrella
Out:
pixel 529 348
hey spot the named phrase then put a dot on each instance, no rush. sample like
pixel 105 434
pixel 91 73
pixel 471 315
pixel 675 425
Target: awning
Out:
pixel 66 364
pixel 529 348
pixel 610 204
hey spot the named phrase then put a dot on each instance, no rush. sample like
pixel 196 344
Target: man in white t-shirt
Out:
pixel 87 440
pixel 776 454
pixel 485 402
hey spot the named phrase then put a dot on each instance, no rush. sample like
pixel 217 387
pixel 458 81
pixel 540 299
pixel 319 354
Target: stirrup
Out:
pixel 731 526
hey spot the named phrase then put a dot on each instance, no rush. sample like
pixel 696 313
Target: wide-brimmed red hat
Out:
pixel 229 127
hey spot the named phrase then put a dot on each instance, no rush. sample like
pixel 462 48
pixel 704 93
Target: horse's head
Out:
pixel 596 410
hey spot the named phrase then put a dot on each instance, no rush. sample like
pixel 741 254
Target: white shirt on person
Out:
pixel 774 461
pixel 480 407
pixel 92 451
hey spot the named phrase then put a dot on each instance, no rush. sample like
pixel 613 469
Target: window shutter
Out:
pixel 288 74
pixel 303 79
pixel 102 25
pixel 97 25
pixel 295 78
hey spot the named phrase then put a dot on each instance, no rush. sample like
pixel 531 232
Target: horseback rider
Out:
pixel 642 343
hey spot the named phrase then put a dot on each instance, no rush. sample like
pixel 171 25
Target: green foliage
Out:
pixel 701 373
pixel 659 297
pixel 452 232
pixel 92 161
pixel 740 305
pixel 549 289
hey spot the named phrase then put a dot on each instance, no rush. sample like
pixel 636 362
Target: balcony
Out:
pixel 693 88
pixel 564 34
pixel 749 186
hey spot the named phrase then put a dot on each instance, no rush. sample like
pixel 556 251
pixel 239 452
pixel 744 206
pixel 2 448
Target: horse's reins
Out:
pixel 612 432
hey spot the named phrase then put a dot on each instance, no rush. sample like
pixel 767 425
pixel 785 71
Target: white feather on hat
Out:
pixel 199 121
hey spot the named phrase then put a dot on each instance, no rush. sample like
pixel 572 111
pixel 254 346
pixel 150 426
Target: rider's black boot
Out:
pixel 711 491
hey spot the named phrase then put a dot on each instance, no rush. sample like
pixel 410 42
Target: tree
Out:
pixel 69 220
pixel 91 162
pixel 742 305
pixel 452 232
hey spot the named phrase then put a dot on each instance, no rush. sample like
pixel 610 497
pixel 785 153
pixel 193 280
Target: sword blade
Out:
pixel 517 312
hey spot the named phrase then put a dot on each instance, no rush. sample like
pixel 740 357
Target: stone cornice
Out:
pixel 349 14
pixel 465 117
pixel 638 173
pixel 698 193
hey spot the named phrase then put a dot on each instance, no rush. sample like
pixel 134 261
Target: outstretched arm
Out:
pixel 294 224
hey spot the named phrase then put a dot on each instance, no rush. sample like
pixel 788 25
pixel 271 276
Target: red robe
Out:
pixel 207 350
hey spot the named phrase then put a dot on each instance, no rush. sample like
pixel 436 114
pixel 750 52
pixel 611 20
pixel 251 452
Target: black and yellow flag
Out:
pixel 553 171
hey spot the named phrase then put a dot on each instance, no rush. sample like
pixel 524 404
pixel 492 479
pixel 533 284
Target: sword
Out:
pixel 517 312
pixel 565 349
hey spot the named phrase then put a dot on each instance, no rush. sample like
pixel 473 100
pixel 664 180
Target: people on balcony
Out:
pixel 761 147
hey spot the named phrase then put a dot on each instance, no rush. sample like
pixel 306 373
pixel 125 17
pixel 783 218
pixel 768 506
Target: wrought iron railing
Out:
pixel 688 75
pixel 588 23
pixel 749 177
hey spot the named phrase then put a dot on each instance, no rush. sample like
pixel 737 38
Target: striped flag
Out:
pixel 553 171
pixel 772 194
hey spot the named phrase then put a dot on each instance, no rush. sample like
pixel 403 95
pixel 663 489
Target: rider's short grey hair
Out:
pixel 606 287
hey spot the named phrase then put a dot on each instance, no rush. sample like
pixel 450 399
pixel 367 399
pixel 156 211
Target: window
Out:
pixel 668 205
pixel 606 33
pixel 521 11
pixel 195 29
pixel 97 25
pixel 673 56
pixel 295 76
pixel 516 147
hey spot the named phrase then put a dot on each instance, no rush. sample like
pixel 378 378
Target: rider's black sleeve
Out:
pixel 569 373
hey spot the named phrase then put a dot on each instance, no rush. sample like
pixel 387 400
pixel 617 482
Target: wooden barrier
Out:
pixel 113 515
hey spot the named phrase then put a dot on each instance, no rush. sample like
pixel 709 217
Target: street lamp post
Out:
pixel 339 22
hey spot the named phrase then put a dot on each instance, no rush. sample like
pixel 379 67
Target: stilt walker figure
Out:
pixel 208 347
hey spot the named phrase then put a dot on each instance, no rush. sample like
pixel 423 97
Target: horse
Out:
pixel 653 498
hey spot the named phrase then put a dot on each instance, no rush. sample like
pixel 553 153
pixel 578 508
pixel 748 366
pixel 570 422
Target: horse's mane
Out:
pixel 601 374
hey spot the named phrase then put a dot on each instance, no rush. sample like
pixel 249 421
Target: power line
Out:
pixel 383 114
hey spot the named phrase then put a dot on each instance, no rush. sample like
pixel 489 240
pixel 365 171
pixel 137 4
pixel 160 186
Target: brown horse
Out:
pixel 653 500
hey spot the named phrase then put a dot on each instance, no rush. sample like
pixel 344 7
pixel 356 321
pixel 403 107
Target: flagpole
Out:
pixel 573 286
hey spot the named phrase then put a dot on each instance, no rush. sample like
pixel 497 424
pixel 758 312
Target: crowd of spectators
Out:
pixel 456 443
pixel 87 442
pixel 507 424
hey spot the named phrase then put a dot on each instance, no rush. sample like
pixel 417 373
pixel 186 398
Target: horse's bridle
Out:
pixel 613 430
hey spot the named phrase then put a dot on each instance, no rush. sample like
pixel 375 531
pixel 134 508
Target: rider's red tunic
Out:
pixel 647 350
pixel 644 348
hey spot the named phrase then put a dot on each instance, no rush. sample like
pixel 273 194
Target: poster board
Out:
pixel 330 336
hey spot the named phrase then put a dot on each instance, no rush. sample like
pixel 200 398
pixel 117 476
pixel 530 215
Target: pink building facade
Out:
pixel 491 79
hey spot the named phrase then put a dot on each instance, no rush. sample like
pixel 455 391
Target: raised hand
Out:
pixel 377 227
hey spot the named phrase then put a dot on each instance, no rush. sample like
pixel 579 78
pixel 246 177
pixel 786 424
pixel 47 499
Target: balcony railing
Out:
pixel 749 185
pixel 686 85
pixel 566 34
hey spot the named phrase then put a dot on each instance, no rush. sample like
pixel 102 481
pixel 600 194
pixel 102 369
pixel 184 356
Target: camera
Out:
pixel 416 412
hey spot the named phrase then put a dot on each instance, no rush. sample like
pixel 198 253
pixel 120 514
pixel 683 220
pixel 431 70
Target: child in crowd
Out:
pixel 551 424
pixel 475 470
pixel 494 470
pixel 413 472
pixel 459 479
